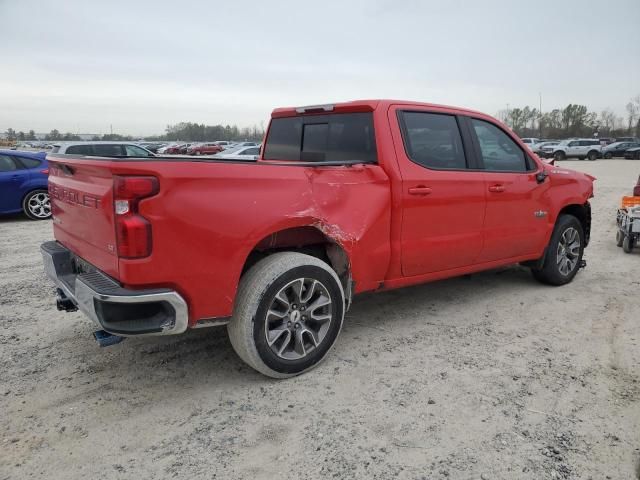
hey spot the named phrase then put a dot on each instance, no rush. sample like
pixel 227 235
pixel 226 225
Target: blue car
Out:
pixel 23 184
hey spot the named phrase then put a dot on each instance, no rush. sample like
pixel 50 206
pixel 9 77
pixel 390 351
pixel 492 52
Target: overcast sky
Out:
pixel 83 65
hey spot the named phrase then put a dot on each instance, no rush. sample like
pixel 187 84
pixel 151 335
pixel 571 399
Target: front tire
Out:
pixel 289 311
pixel 37 205
pixel 619 238
pixel 559 156
pixel 608 156
pixel 592 155
pixel 628 244
pixel 564 253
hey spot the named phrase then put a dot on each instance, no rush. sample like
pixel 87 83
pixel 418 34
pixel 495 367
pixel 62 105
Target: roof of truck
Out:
pixel 360 106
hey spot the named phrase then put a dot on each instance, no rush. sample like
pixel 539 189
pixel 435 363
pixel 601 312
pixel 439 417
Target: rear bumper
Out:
pixel 117 310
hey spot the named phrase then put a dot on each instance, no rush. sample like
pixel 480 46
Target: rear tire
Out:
pixel 37 205
pixel 275 326
pixel 619 238
pixel 592 155
pixel 564 253
pixel 559 156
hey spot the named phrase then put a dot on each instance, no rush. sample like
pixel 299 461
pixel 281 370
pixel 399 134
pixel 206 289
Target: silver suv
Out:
pixel 102 149
pixel 580 148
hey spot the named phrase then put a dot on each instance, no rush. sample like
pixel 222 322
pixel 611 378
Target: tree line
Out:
pixel 573 121
pixel 183 131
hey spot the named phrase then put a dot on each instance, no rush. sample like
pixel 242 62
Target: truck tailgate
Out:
pixel 82 202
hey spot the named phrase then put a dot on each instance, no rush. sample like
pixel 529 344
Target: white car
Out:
pixel 530 142
pixel 101 149
pixel 580 148
pixel 241 153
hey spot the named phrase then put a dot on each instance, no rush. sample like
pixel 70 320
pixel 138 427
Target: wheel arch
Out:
pixel 311 240
pixel 583 213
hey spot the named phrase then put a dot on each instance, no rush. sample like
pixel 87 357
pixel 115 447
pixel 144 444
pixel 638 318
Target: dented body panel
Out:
pixel 210 218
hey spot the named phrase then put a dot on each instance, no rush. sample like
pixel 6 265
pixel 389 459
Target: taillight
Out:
pixel 45 171
pixel 133 231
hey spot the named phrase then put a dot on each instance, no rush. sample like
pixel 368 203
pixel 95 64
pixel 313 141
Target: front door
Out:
pixel 443 200
pixel 516 222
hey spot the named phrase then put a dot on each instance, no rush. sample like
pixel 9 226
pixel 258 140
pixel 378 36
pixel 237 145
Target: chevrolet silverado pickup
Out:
pixel 343 199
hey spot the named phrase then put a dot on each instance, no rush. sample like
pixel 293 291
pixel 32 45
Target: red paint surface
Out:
pixel 208 217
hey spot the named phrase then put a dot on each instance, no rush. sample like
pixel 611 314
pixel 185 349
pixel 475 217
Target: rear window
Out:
pixel 322 138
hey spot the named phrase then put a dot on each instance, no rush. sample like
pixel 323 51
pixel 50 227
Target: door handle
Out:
pixel 420 190
pixel 496 188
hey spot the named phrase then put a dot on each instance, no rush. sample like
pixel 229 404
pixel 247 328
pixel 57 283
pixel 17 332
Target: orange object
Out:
pixel 630 202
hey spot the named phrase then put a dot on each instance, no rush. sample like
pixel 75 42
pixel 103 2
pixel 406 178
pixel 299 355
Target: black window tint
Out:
pixel 108 151
pixel 79 150
pixel 315 137
pixel 499 151
pixel 433 140
pixel 28 162
pixel 7 164
pixel 332 138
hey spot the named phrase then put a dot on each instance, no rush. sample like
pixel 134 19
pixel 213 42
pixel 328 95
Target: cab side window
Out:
pixel 433 140
pixel 500 153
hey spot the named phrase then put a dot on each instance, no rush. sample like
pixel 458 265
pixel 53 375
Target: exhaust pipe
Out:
pixel 64 303
pixel 105 339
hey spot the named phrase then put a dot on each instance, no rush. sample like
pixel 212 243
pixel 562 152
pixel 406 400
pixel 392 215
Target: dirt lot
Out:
pixel 492 376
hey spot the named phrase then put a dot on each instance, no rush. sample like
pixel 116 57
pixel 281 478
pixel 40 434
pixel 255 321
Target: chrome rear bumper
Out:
pixel 115 309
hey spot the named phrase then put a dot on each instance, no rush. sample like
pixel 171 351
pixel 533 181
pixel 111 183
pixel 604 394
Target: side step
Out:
pixel 105 339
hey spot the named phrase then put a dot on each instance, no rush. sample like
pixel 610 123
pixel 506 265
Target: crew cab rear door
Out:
pixel 443 197
pixel 516 215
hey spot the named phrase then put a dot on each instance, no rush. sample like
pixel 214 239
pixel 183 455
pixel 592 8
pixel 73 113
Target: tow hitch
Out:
pixel 64 303
pixel 105 339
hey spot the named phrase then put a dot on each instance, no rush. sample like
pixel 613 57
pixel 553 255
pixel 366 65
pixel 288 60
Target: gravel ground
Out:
pixel 491 376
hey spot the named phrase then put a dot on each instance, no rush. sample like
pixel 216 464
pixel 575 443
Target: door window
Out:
pixel 433 140
pixel 108 150
pixel 28 162
pixel 79 150
pixel 7 164
pixel 500 153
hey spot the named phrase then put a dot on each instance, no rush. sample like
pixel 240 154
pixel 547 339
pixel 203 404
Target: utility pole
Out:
pixel 540 116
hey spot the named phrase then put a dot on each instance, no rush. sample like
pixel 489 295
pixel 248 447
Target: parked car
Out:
pixel 628 139
pixel 173 149
pixel 539 148
pixel 102 149
pixel 346 198
pixel 240 153
pixel 23 184
pixel 224 144
pixel 184 147
pixel 617 149
pixel 632 153
pixel 530 142
pixel 580 148
pixel 246 144
pixel 204 149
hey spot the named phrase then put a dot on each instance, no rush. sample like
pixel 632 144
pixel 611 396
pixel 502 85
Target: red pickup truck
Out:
pixel 344 199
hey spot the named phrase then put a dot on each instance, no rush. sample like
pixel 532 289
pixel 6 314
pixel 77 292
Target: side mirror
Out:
pixel 541 176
